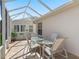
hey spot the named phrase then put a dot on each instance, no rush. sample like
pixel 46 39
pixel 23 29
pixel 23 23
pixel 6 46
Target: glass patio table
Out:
pixel 38 40
pixel 34 41
pixel 45 43
pixel 42 42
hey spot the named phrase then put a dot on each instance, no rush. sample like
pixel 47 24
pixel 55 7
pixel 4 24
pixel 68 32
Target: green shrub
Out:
pixel 13 34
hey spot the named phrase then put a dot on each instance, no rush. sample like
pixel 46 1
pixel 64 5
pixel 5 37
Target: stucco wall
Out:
pixel 66 23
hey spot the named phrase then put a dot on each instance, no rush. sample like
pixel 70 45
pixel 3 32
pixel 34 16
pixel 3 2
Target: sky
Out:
pixel 53 4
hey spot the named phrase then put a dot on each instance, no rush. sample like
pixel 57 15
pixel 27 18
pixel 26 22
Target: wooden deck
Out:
pixel 19 48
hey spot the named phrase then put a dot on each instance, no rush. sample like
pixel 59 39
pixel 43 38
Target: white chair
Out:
pixel 57 47
pixel 31 51
pixel 32 47
pixel 34 34
pixel 54 36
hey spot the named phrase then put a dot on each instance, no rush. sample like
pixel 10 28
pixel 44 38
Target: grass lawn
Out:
pixel 0 39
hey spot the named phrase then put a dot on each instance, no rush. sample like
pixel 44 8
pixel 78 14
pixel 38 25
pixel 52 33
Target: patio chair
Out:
pixel 34 34
pixel 31 51
pixel 57 47
pixel 32 48
pixel 54 36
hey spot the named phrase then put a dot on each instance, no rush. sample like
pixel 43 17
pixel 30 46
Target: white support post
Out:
pixel 10 25
pixel 3 22
pixel 8 31
pixel 3 30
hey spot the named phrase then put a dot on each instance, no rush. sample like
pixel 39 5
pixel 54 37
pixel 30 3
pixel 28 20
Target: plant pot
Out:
pixel 13 39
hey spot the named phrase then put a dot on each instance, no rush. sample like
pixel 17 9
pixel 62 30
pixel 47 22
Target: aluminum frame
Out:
pixel 16 14
pixel 34 11
pixel 29 14
pixel 8 0
pixel 16 9
pixel 44 5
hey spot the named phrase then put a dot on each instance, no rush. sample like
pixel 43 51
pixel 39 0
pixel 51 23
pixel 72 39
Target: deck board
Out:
pixel 18 48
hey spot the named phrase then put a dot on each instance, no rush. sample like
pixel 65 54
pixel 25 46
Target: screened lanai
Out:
pixel 17 11
pixel 30 10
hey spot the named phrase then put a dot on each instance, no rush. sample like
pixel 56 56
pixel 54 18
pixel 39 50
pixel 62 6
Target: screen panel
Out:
pixel 0 23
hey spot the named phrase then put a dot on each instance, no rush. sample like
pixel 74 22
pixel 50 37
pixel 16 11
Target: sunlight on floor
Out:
pixel 16 49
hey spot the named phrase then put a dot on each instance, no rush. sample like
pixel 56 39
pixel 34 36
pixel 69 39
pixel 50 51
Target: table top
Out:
pixel 41 41
pixel 46 42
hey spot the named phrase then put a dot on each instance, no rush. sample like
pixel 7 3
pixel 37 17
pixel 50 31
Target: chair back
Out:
pixel 34 35
pixel 28 37
pixel 54 36
pixel 58 44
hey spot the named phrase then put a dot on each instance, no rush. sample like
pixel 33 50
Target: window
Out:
pixel 27 28
pixel 22 28
pixel 16 28
pixel 30 28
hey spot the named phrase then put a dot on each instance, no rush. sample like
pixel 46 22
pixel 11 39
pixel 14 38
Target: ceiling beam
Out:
pixel 17 14
pixel 44 5
pixel 33 18
pixel 16 9
pixel 19 7
pixel 8 0
pixel 34 11
pixel 26 7
pixel 29 14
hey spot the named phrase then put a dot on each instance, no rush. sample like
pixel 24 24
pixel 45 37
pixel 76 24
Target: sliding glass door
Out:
pixel 39 28
pixel 6 24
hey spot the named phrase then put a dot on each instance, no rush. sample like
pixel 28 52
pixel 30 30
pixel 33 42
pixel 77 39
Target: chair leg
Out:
pixel 53 57
pixel 66 54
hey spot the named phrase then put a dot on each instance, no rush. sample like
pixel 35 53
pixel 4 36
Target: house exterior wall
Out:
pixel 27 24
pixel 67 23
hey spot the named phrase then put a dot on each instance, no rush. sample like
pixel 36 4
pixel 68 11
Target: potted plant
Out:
pixel 13 36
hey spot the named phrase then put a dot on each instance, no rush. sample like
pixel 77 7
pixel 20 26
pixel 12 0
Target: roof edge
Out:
pixel 62 8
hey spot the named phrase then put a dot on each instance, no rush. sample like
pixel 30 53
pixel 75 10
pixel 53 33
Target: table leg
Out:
pixel 40 52
pixel 43 51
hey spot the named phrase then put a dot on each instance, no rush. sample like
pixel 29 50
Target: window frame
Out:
pixel 30 28
pixel 22 28
pixel 16 28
